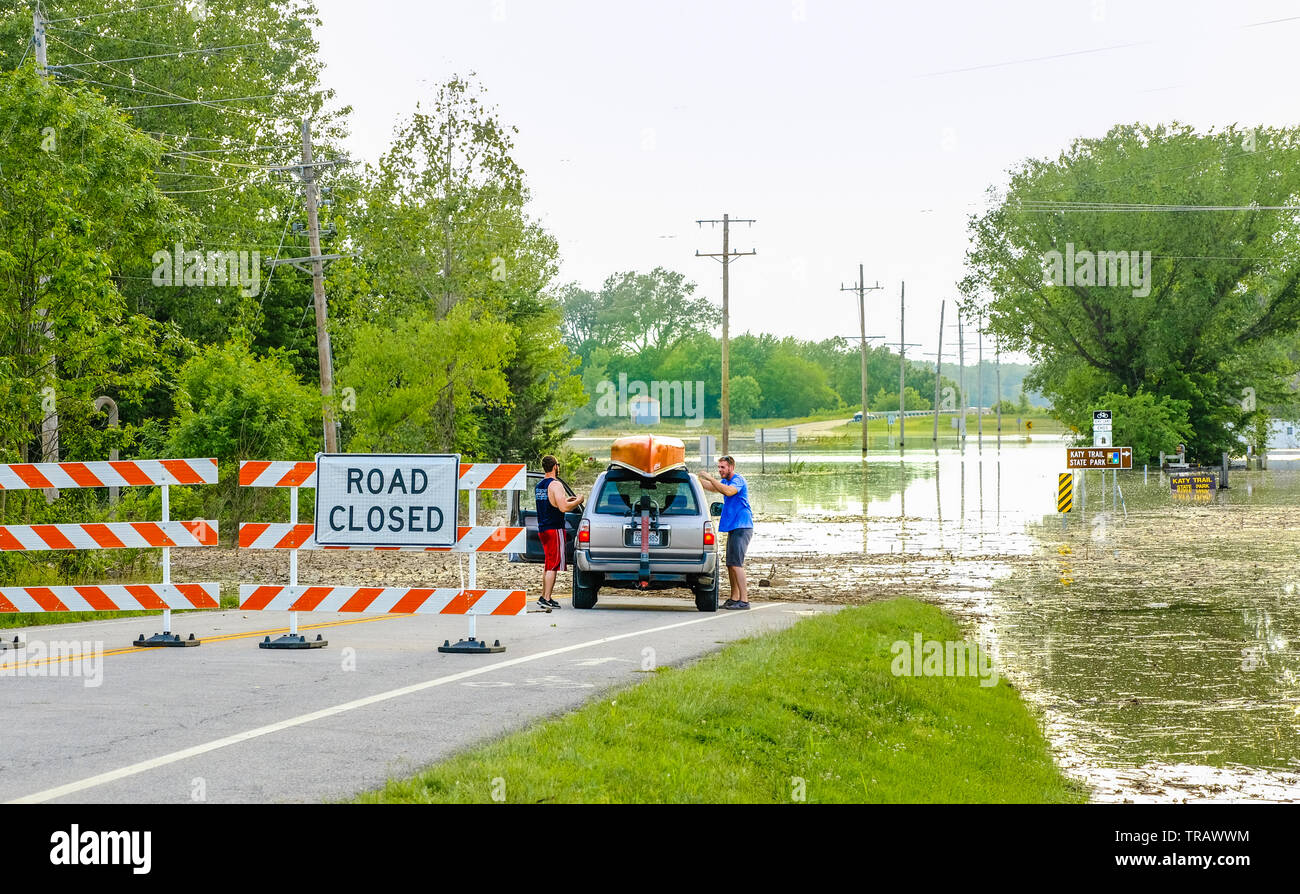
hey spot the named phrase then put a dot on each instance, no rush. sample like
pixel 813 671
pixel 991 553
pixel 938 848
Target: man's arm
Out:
pixel 709 483
pixel 560 500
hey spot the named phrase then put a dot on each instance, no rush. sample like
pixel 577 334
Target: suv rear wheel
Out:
pixel 706 595
pixel 585 587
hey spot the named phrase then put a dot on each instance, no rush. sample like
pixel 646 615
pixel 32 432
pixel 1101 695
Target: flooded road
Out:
pixel 1158 637
pixel 1158 634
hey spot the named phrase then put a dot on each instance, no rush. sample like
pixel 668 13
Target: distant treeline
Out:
pixel 648 327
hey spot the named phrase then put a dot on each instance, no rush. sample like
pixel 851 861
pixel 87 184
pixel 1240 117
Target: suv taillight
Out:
pixel 709 537
pixel 584 531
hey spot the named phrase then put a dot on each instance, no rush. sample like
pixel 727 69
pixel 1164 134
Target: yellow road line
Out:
pixel 136 650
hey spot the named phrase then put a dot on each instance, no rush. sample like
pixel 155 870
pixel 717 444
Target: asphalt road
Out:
pixel 229 722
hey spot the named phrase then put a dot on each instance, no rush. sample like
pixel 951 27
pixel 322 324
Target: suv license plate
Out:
pixel 654 538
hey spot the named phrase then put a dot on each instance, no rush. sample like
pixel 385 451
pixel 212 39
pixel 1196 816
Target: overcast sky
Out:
pixel 852 132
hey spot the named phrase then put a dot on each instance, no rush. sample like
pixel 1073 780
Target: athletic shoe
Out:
pixel 543 604
pixel 552 603
pixel 730 603
pixel 741 605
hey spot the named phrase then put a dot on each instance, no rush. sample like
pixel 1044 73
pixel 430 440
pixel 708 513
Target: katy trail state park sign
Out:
pixel 1099 457
pixel 386 499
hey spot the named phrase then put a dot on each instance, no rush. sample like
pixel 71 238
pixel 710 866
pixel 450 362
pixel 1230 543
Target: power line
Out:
pixel 202 102
pixel 189 136
pixel 186 100
pixel 1120 46
pixel 196 152
pixel 116 12
pixel 79 80
pixel 168 173
pixel 200 51
pixel 283 233
pixel 217 161
pixel 186 192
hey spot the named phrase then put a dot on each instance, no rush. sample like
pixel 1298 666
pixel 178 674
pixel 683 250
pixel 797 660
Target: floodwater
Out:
pixel 1158 634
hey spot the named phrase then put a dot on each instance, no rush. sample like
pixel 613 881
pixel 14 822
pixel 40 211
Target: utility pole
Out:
pixel 961 379
pixel 38 37
pixel 725 257
pixel 318 291
pixel 315 265
pixel 997 365
pixel 862 288
pixel 902 365
pixel 979 332
pixel 903 345
pixel 938 366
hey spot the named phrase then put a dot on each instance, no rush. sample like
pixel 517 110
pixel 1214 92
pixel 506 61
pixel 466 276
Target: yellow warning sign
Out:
pixel 1064 491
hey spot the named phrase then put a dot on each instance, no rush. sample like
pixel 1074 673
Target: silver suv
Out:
pixel 646 533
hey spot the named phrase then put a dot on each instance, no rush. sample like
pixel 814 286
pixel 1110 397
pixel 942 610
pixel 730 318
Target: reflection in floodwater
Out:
pixel 1161 646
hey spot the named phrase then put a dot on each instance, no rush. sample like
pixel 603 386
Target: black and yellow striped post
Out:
pixel 1065 492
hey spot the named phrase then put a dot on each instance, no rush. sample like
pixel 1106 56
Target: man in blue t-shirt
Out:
pixel 737 523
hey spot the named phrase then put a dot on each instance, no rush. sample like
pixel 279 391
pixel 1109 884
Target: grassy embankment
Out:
pixel 817 702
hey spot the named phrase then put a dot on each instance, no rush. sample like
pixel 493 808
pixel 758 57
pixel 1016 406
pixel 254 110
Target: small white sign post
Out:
pixel 1102 428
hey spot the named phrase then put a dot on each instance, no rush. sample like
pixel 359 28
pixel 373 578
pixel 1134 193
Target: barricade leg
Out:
pixel 166 638
pixel 293 639
pixel 473 645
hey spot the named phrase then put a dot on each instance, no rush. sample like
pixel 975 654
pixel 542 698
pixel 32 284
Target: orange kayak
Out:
pixel 648 454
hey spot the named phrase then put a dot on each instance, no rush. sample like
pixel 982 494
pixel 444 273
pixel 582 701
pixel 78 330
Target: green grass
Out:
pixel 817 701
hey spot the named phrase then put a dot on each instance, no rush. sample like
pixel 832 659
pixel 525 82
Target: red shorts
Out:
pixel 553 547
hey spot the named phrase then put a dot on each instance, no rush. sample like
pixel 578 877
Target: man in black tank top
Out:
pixel 552 503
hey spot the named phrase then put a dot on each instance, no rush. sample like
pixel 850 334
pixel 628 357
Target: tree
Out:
pixel 652 311
pixel 745 398
pixel 76 197
pixel 885 401
pixel 236 406
pixel 1146 422
pixel 1186 303
pixel 408 372
pixel 174 68
pixel 441 225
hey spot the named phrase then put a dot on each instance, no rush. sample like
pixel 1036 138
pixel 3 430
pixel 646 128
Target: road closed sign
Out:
pixel 386 499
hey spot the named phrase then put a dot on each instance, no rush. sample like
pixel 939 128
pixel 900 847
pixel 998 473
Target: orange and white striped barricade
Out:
pixel 296 535
pixel 162 473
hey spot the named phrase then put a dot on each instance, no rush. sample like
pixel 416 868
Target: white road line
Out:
pixel 154 763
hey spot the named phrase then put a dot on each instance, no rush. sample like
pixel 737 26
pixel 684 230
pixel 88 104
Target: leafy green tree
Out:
pixel 745 398
pixel 403 371
pixel 1199 321
pixel 440 223
pixel 542 385
pixel 221 88
pixel 1146 422
pixel 236 406
pixel 76 196
pixel 651 311
pixel 885 401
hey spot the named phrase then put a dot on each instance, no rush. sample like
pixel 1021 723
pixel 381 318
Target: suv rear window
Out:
pixel 671 494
